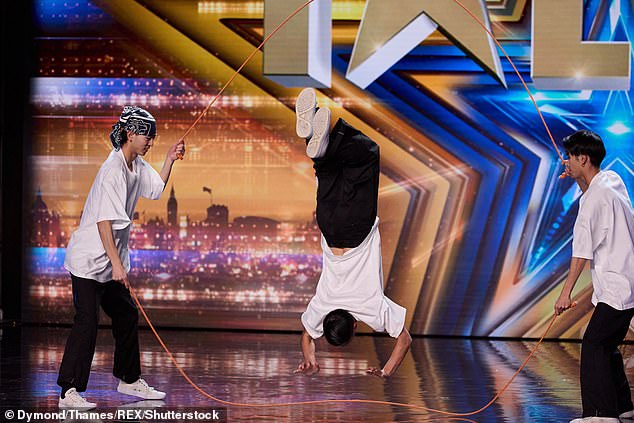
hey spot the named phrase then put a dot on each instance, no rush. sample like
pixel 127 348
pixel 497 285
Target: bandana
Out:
pixel 134 119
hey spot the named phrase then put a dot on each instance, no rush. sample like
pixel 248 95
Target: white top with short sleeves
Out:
pixel 113 196
pixel 354 282
pixel 604 234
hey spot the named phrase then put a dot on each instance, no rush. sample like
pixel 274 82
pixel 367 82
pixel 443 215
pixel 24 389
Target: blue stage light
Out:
pixel 619 128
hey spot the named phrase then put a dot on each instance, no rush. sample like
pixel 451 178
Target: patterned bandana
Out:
pixel 134 119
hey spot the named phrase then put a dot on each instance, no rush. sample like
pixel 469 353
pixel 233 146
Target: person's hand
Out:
pixel 566 171
pixel 120 275
pixel 177 151
pixel 374 371
pixel 563 303
pixel 307 367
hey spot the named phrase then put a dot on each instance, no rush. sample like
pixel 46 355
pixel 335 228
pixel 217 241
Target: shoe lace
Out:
pixel 74 396
pixel 145 385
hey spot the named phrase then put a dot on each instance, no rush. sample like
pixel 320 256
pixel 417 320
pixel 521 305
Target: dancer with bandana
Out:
pixel 350 288
pixel 98 260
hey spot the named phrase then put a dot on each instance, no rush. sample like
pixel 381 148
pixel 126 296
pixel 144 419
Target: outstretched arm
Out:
pixel 403 342
pixel 174 153
pixel 576 267
pixel 309 364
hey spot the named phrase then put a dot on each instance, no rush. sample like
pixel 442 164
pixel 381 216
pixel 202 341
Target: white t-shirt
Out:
pixel 113 196
pixel 354 282
pixel 604 233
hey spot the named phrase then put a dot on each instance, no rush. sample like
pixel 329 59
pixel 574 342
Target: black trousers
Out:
pixel 605 391
pixel 114 298
pixel 348 186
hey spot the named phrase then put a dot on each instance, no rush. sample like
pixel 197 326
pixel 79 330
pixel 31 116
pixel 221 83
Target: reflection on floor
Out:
pixel 449 374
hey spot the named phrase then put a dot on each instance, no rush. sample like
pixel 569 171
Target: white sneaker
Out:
pixel 73 400
pixel 140 389
pixel 595 420
pixel 628 415
pixel 321 133
pixel 305 107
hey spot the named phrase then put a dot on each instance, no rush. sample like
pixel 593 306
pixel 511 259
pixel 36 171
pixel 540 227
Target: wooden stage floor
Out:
pixel 450 374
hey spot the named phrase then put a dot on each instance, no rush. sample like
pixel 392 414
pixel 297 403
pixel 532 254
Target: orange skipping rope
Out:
pixel 340 401
pixel 348 401
pixel 237 72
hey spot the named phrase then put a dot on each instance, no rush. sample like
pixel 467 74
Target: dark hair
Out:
pixel 338 327
pixel 586 143
pixel 124 136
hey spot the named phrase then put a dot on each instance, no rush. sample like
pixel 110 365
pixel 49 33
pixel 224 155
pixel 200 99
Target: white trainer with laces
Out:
pixel 305 107
pixel 140 389
pixel 74 401
pixel 628 415
pixel 318 143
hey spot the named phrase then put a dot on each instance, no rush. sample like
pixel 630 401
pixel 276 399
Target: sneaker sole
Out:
pixel 305 111
pixel 139 394
pixel 321 130
pixel 86 408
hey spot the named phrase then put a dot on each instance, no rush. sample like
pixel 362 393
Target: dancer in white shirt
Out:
pixel 350 288
pixel 98 260
pixel 604 235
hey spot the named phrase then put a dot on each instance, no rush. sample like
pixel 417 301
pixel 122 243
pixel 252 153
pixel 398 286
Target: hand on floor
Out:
pixel 376 372
pixel 307 368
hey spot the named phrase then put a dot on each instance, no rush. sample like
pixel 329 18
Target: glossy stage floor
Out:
pixel 449 374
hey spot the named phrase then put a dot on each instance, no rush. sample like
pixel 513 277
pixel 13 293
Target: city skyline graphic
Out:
pixel 476 227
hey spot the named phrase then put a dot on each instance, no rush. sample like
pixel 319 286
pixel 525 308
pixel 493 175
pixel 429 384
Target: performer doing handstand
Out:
pixel 350 288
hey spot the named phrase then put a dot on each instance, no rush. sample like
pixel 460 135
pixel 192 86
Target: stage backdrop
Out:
pixel 475 224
